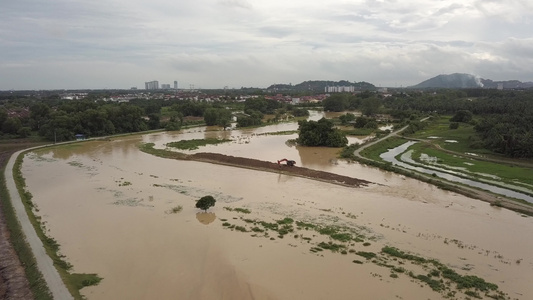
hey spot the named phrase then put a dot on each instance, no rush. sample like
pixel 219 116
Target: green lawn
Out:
pixel 465 135
pixel 373 152
pixel 506 173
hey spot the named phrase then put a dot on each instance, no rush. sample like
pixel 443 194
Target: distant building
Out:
pixel 165 86
pixel 175 85
pixel 151 85
pixel 339 89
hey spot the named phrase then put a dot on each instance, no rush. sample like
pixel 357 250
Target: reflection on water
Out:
pixel 206 217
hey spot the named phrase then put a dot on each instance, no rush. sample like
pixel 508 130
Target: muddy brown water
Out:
pixel 110 208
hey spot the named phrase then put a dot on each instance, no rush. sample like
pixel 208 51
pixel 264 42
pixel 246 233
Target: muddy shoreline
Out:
pixel 249 163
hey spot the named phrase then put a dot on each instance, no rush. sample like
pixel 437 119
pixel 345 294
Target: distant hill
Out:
pixel 318 86
pixel 463 81
pixel 451 81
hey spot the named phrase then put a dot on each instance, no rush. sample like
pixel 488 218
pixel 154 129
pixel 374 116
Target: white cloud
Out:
pixel 118 43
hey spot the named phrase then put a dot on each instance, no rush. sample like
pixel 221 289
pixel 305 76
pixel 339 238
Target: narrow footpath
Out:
pixel 44 262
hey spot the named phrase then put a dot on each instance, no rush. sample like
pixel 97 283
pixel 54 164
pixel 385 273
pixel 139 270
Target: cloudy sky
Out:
pixel 68 44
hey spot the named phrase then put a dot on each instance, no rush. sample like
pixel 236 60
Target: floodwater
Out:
pixel 113 210
pixel 390 156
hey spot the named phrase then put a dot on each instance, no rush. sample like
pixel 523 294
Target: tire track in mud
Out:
pixel 255 164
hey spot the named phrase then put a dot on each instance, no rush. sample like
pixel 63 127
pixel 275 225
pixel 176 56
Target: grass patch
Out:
pixel 285 221
pixel 367 255
pixel 238 209
pixel 18 241
pixel 392 251
pixel 176 209
pixel 507 173
pixel 373 152
pixel 195 144
pixel 333 247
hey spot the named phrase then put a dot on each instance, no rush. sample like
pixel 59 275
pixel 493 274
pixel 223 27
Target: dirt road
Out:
pixel 44 262
pixel 242 162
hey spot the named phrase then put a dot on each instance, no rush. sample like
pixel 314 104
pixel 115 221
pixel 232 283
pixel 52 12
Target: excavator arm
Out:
pixel 289 163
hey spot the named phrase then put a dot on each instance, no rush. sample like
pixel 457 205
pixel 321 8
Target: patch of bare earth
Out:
pixel 278 168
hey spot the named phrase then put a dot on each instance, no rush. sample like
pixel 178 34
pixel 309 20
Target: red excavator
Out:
pixel 289 163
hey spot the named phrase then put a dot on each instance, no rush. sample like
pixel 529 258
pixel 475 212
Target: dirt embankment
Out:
pixel 274 167
pixel 13 282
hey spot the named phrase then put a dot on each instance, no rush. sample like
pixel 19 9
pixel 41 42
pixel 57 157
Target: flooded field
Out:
pixel 130 217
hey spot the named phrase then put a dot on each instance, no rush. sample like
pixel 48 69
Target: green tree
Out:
pixel 175 122
pixel 211 116
pixel 11 125
pixel 254 119
pixel 336 102
pixel 224 118
pixel 370 106
pixel 464 116
pixel 205 202
pixel 320 133
pixel 39 114
pixel 154 121
pixel 347 118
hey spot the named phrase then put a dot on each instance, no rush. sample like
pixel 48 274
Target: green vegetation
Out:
pixel 217 116
pixel 373 152
pixel 367 255
pixel 238 209
pixel 195 144
pixel 149 148
pixel 17 239
pixel 205 202
pixel 465 136
pixel 392 251
pixel 320 133
pixel 473 167
pixel 439 278
pixel 176 209
pixel 333 247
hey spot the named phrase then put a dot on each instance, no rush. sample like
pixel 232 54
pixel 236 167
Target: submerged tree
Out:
pixel 320 133
pixel 205 202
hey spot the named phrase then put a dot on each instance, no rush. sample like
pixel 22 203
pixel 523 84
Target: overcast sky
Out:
pixel 69 44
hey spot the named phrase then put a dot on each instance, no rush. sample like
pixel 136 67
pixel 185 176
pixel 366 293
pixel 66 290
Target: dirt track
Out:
pixel 274 167
pixel 13 282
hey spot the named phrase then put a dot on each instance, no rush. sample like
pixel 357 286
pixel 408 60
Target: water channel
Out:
pixel 112 208
pixel 391 155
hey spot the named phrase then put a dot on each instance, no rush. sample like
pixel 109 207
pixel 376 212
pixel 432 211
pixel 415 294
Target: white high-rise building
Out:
pixel 151 85
pixel 175 84
pixel 340 89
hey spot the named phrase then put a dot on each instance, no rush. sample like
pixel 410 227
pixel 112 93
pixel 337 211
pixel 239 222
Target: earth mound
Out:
pixel 278 168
